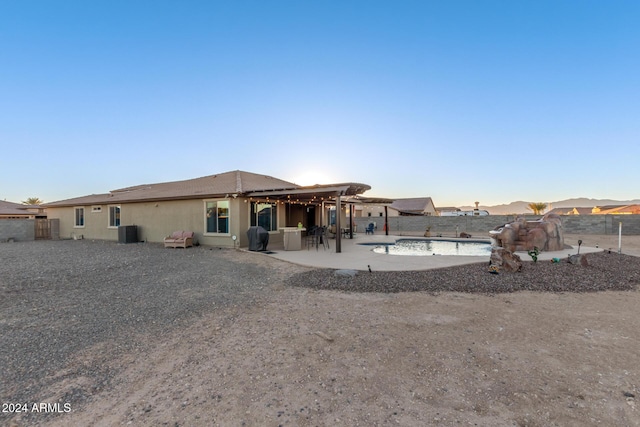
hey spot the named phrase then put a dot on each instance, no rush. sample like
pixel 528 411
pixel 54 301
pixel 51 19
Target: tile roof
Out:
pixel 568 210
pixel 233 182
pixel 583 211
pixel 622 209
pixel 13 209
pixel 418 204
pixel 597 210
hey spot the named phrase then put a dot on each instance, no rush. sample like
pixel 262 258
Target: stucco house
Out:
pixel 571 211
pixel 402 207
pixel 9 210
pixel 616 210
pixel 599 210
pixel 218 208
pixel 415 206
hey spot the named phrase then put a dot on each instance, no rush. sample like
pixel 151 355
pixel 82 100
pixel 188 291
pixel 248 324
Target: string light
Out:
pixel 315 201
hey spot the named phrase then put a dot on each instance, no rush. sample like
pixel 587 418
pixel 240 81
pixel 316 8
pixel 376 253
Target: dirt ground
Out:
pixel 301 357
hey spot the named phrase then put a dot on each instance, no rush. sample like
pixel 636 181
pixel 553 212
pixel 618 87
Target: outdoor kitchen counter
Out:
pixel 292 238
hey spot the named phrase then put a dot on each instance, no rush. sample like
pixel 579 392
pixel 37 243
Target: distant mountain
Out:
pixel 520 207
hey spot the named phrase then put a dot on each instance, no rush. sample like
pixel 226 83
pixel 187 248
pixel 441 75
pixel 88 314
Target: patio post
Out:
pixel 351 220
pixel 386 221
pixel 338 230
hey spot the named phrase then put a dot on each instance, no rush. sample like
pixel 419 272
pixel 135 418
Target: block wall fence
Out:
pixel 17 229
pixel 479 226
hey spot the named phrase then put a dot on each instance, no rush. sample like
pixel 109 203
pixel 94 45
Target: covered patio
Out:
pixel 319 205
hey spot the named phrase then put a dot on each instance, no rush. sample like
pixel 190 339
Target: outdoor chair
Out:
pixel 324 237
pixel 370 228
pixel 311 240
pixel 317 236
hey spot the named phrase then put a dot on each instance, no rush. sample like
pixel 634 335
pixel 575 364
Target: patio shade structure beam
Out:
pixel 316 193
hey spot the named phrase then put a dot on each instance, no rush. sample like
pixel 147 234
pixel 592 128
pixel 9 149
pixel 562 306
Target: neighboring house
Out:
pixel 374 210
pixel 10 210
pixel 418 206
pixel 414 206
pixel 616 210
pixel 218 208
pixel 570 211
pixel 599 210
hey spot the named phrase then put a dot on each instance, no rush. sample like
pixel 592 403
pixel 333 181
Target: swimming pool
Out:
pixel 422 247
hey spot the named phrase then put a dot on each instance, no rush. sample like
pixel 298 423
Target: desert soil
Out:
pixel 294 356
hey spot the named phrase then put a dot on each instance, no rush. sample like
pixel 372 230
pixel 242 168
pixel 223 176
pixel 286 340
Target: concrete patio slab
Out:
pixel 357 256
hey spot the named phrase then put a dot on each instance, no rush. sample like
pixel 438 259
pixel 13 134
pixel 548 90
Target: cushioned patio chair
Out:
pixel 370 228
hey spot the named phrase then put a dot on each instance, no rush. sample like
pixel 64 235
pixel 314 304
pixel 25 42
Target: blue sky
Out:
pixel 463 101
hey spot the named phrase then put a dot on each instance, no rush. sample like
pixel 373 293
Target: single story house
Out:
pixel 599 210
pixel 417 206
pixel 218 208
pixel 414 206
pixel 616 210
pixel 571 211
pixel 9 210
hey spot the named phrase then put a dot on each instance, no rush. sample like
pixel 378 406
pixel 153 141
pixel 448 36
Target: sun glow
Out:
pixel 311 178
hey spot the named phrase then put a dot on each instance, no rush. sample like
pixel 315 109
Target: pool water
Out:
pixel 424 247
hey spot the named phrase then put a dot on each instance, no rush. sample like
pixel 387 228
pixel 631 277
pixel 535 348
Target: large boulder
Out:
pixel 522 235
pixel 505 260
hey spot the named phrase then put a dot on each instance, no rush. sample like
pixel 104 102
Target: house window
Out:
pixel 79 217
pixel 265 215
pixel 114 216
pixel 217 217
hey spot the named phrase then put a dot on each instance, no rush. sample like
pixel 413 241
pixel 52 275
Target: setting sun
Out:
pixel 311 177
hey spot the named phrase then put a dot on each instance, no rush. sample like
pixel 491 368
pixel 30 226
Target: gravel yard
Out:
pixel 141 335
pixel 59 299
pixel 605 272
